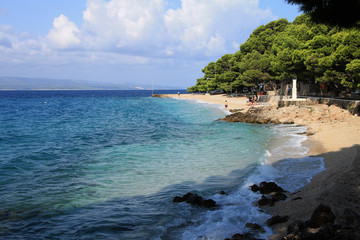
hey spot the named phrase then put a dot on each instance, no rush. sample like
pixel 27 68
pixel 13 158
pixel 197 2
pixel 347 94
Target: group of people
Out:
pixel 252 100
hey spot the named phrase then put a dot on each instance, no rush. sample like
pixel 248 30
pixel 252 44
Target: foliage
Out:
pixel 279 51
pixel 331 12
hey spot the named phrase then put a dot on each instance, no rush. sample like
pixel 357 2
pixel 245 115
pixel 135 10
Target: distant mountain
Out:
pixel 20 83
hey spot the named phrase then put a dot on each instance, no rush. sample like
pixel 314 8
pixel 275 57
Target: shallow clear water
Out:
pixel 107 164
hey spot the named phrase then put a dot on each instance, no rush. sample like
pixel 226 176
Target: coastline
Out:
pixel 335 138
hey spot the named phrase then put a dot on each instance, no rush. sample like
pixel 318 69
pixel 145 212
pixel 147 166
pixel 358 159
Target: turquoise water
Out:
pixel 107 164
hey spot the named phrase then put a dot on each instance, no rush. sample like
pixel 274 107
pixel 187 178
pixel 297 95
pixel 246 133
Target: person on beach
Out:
pixel 178 94
pixel 226 105
pixel 250 101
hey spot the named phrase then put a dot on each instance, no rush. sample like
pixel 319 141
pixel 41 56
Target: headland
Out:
pixel 333 134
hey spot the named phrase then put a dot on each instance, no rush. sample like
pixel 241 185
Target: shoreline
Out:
pixel 335 137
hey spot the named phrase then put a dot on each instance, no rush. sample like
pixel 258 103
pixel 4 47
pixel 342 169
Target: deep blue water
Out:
pixel 107 164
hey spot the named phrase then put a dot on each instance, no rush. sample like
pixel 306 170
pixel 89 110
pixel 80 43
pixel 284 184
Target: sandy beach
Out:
pixel 335 139
pixel 233 102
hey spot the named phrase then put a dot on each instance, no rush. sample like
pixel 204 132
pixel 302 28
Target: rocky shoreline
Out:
pixel 333 134
pixel 341 220
pixel 303 115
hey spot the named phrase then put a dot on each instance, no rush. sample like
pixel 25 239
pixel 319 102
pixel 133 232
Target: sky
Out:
pixel 167 42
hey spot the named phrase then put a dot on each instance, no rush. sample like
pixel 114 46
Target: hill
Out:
pixel 21 83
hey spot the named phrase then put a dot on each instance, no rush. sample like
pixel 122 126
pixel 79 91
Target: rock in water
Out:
pixel 256 227
pixel 244 236
pixel 195 200
pixel 265 201
pixel 269 187
pixel 266 188
pixel 254 188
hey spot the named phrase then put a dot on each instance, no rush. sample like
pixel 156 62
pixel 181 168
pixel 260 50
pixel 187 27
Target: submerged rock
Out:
pixel 195 200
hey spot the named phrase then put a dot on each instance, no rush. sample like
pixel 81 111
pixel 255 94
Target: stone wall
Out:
pixel 353 106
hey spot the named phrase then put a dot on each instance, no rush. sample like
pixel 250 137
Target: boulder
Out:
pixel 195 200
pixel 347 230
pixel 296 227
pixel 278 196
pixel 244 236
pixel 254 188
pixel 269 187
pixel 321 216
pixel 276 220
pixel 266 201
pixel 275 193
pixel 256 227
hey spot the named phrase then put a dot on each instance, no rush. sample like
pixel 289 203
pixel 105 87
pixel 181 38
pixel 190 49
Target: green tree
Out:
pixel 331 12
pixel 353 71
pixel 279 51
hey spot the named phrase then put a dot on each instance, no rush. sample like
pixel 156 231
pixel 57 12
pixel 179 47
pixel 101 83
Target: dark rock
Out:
pixel 272 189
pixel 178 199
pixel 265 201
pixel 244 236
pixel 327 232
pixel 269 187
pixel 278 196
pixel 296 227
pixel 321 216
pixel 346 231
pixel 209 203
pixel 255 227
pixel 276 220
pixel 196 200
pixel 254 188
pixel 223 193
pixel 335 232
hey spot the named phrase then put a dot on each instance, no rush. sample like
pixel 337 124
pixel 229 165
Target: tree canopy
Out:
pixel 277 52
pixel 332 12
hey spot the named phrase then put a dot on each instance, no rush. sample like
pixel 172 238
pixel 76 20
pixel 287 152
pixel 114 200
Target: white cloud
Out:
pixel 209 27
pixel 145 33
pixel 145 27
pixel 18 47
pixel 65 34
pixel 123 24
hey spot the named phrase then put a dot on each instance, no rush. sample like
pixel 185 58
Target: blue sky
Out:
pixel 167 42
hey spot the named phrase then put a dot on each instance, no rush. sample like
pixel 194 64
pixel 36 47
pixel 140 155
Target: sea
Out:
pixel 107 165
